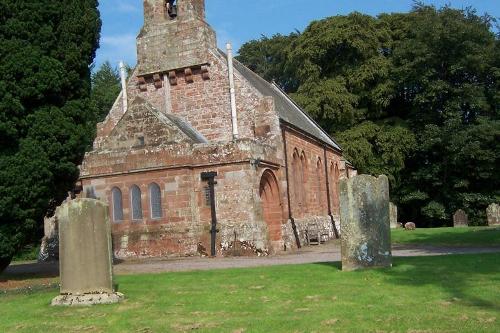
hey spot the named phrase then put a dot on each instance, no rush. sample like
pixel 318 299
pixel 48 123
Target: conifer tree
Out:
pixel 46 119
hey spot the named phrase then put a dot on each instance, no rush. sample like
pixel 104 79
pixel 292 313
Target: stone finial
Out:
pixel 365 226
pixel 460 219
pixel 85 257
pixel 493 215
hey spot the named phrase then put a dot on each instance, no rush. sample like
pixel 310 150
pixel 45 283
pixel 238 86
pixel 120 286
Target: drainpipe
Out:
pixel 123 76
pixel 290 215
pixel 328 196
pixel 210 178
pixel 234 116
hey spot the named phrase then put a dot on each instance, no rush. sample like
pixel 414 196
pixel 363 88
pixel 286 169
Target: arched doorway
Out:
pixel 270 196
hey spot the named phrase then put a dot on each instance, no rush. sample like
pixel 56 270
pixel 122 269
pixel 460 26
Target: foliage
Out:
pixel 378 149
pixel 28 253
pixel 463 292
pixel 105 89
pixel 267 57
pixel 415 96
pixel 46 120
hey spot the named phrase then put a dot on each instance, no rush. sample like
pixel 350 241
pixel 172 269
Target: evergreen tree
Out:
pixel 106 87
pixel 415 96
pixel 46 119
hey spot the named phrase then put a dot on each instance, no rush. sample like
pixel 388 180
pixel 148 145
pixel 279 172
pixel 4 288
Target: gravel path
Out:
pixel 324 253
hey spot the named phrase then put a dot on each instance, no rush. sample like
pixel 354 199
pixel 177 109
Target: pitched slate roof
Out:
pixel 287 109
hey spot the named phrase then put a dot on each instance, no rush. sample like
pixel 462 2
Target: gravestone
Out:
pixel 364 222
pixel 460 219
pixel 393 215
pixel 493 214
pixel 49 249
pixel 85 260
pixel 410 226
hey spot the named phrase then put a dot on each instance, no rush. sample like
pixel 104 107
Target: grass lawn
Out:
pixel 473 236
pixel 432 294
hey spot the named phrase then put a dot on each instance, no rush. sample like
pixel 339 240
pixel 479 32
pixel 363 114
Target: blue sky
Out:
pixel 239 21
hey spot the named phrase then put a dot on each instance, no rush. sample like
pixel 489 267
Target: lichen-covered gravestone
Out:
pixel 364 223
pixel 393 215
pixel 493 214
pixel 460 219
pixel 85 259
pixel 49 249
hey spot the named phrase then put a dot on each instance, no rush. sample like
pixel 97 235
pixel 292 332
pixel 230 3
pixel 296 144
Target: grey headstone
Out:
pixel 410 226
pixel 85 254
pixel 393 215
pixel 460 219
pixel 49 248
pixel 493 214
pixel 365 226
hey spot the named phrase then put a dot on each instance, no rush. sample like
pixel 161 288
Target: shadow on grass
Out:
pixel 477 236
pixel 454 274
pixel 30 271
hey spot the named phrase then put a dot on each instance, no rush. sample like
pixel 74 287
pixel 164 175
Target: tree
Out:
pixel 105 89
pixel 446 75
pixel 343 70
pixel 267 56
pixel 413 95
pixel 46 119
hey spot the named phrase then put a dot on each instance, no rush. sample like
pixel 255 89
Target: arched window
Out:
pixel 135 202
pixel 336 190
pixel 304 181
pixel 117 204
pixel 319 189
pixel 297 180
pixel 155 201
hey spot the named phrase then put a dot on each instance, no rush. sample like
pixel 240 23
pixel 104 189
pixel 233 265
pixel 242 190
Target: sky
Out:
pixel 239 21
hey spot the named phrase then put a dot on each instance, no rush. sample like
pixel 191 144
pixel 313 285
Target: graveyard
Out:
pixel 418 294
pixel 203 166
pixel 429 294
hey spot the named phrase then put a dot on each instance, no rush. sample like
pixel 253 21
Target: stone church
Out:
pixel 199 152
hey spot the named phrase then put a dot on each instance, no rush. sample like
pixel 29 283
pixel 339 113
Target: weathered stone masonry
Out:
pixel 148 157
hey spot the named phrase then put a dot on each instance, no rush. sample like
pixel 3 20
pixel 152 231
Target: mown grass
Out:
pixel 473 236
pixel 431 294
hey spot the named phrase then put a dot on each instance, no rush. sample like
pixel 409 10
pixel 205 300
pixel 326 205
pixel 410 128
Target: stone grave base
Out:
pixel 87 300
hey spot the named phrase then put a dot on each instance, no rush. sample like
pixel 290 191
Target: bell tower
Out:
pixel 175 36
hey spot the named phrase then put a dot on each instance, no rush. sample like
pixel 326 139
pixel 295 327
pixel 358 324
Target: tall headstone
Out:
pixel 85 254
pixel 393 215
pixel 364 222
pixel 493 214
pixel 460 219
pixel 49 249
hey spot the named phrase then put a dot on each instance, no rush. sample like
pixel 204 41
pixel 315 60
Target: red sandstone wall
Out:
pixel 186 214
pixel 314 181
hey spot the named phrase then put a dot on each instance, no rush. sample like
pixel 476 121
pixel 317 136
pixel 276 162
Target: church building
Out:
pixel 199 153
